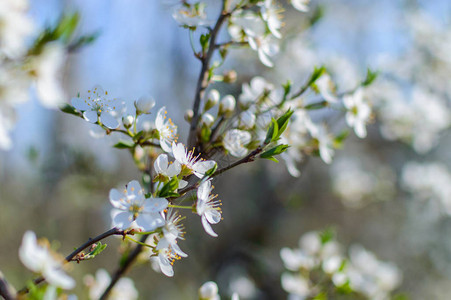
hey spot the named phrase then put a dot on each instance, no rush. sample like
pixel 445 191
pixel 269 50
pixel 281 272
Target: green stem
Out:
pixel 138 242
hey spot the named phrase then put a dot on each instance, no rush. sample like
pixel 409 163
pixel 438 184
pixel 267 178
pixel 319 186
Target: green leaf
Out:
pixel 286 88
pixel 340 138
pixel 370 77
pixel 66 26
pixel 273 159
pixel 274 151
pixel 124 145
pixel 98 249
pixel 272 131
pixel 204 40
pixel 282 122
pixel 318 105
pixel 205 134
pixel 137 136
pixel 327 235
pixel 211 171
pixel 317 73
pixel 168 188
pixel 69 109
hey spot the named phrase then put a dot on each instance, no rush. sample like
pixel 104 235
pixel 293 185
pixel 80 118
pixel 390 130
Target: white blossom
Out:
pixel 172 230
pixel 358 112
pixel 166 129
pixel 187 159
pixel 266 47
pixel 326 88
pixel 96 106
pixel 131 206
pixel 39 259
pixel 271 14
pixel 123 289
pixel 235 142
pixel 144 105
pixel 191 16
pixel 207 207
pixel 227 105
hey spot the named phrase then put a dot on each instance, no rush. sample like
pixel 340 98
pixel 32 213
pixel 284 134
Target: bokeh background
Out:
pixel 389 192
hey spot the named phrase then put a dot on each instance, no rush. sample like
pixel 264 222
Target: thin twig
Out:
pixel 203 80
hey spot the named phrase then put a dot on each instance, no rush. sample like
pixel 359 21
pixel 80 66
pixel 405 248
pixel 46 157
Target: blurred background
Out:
pixel 390 192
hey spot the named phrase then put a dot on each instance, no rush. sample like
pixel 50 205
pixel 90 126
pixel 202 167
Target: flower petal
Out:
pixel 108 120
pixel 121 219
pixel 207 227
pixel 80 104
pixel 90 116
pixel 154 205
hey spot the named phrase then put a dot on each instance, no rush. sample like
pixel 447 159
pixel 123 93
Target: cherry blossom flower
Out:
pixel 192 163
pixel 130 206
pixel 123 289
pixel 166 129
pixel 358 112
pixel 172 230
pixel 266 47
pixel 39 259
pixel 324 140
pixel 97 107
pixel 207 207
pixel 166 258
pixel 271 14
pixel 192 15
pixel 168 169
pixel 235 141
pixel 144 105
pixel 326 88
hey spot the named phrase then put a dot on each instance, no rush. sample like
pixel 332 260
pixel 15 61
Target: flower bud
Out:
pixel 188 115
pixel 144 105
pixel 247 120
pixel 230 76
pixel 212 99
pixel 128 121
pixel 227 105
pixel 209 290
pixel 207 119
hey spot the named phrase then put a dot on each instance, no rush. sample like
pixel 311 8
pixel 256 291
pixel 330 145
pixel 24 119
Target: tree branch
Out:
pixel 202 82
pixel 89 242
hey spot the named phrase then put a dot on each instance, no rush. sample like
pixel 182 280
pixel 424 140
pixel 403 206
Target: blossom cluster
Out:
pixel 25 65
pixel 258 27
pixel 319 265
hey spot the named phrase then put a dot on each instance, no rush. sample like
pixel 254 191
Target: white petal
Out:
pixel 90 116
pixel 174 169
pixel 207 227
pixel 117 199
pixel 177 250
pixel 80 104
pixel 182 183
pixel 165 266
pixel 264 58
pixel 58 278
pixel 213 216
pixel 153 205
pixel 204 191
pixel 179 152
pixel 161 164
pixel 201 167
pixel 108 120
pixel 159 121
pixel 134 188
pixel 121 219
pixel 149 221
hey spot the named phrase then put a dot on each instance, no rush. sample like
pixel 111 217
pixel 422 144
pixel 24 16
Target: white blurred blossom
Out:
pixel 123 289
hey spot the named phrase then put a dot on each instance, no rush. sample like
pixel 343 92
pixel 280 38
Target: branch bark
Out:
pixel 203 80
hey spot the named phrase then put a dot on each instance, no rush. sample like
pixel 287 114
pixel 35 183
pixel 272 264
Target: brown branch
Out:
pixel 203 80
pixel 89 242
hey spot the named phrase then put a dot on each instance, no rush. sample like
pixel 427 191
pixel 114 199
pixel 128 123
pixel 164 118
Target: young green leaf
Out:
pixel 124 145
pixel 370 77
pixel 273 129
pixel 274 151
pixel 69 109
pixel 168 188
